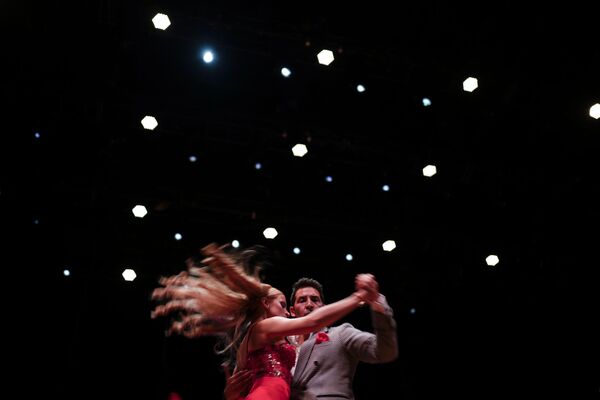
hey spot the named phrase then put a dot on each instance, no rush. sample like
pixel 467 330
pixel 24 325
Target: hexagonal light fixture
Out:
pixel 299 150
pixel 429 170
pixel 270 233
pixel 595 111
pixel 492 260
pixel 161 21
pixel 139 211
pixel 149 122
pixel 286 72
pixel 389 245
pixel 128 274
pixel 325 57
pixel 470 84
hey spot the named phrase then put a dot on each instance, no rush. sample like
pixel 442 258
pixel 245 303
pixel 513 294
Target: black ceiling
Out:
pixel 517 177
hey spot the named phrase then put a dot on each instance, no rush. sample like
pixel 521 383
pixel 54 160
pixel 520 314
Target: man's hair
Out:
pixel 306 282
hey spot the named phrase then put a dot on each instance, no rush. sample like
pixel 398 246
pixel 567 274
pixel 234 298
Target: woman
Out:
pixel 219 298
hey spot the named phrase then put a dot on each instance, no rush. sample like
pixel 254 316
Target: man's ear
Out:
pixel 292 311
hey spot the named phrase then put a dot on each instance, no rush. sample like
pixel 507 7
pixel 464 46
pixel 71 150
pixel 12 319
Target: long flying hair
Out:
pixel 218 296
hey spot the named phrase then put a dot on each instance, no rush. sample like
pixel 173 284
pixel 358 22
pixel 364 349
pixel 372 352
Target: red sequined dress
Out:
pixel 272 371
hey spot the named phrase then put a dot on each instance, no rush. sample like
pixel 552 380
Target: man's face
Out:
pixel 307 300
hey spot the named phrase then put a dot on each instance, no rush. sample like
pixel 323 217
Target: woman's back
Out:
pixel 276 359
pixel 270 367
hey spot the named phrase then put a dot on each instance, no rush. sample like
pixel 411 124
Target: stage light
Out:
pixel 389 245
pixel 129 274
pixel 349 257
pixel 385 188
pixel 66 272
pixel 296 250
pixel 192 158
pixel 329 178
pixel 208 56
pixel 325 57
pixel 595 111
pixel 178 236
pixel 429 170
pixel 235 244
pixel 139 211
pixel 161 21
pixel 413 310
pixel 37 135
pixel 492 260
pixel 426 102
pixel 258 166
pixel 470 84
pixel 286 72
pixel 270 233
pixel 360 88
pixel 299 150
pixel 149 122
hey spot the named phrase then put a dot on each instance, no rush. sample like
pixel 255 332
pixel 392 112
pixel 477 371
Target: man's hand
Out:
pixel 369 283
pixel 236 385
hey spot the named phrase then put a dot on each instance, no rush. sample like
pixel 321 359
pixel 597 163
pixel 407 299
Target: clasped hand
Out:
pixel 368 286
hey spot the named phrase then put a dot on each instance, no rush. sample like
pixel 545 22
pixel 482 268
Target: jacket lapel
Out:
pixel 306 350
pixel 303 355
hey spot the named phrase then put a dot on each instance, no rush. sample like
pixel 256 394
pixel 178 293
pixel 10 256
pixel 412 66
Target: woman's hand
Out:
pixel 367 287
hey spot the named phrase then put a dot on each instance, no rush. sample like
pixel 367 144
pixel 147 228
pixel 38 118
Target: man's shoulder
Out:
pixel 342 327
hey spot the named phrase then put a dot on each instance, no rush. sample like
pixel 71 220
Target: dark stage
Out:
pixel 516 176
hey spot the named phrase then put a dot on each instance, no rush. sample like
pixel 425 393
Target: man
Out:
pixel 327 360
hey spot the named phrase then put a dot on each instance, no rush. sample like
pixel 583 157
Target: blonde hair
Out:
pixel 213 297
pixel 272 292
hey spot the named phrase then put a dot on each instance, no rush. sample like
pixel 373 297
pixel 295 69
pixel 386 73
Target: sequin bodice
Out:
pixel 272 360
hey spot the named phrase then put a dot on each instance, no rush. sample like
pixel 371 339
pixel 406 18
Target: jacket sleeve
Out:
pixel 378 347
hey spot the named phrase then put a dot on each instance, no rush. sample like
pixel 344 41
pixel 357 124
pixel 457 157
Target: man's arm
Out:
pixel 374 348
pixel 236 385
pixel 382 346
pixel 385 328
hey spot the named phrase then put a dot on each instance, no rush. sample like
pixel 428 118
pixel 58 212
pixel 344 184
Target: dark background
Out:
pixel 517 177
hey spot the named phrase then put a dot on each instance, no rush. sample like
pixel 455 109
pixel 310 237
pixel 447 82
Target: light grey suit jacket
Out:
pixel 326 369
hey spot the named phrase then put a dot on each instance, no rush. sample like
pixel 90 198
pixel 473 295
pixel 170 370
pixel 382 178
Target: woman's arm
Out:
pixel 276 327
